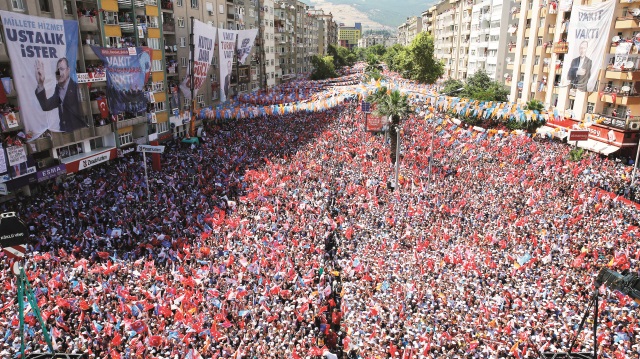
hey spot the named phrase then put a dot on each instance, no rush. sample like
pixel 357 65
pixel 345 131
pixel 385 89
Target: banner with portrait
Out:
pixel 19 163
pixel 588 35
pixel 204 37
pixel 43 53
pixel 127 72
pixel 246 38
pixel 226 50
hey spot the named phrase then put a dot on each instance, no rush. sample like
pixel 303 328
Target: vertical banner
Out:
pixel 43 54
pixel 246 38
pixel 204 37
pixel 102 106
pixel 622 55
pixel 226 50
pixel 588 36
pixel 21 165
pixel 127 72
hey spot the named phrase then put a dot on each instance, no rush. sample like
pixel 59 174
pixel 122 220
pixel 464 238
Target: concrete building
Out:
pixel 403 34
pixel 539 57
pixel 409 30
pixel 267 30
pixel 428 19
pixel 328 30
pixel 492 30
pixel 348 36
pixel 452 32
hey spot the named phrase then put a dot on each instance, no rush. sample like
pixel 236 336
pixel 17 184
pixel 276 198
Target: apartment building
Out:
pixel 328 30
pixel 452 32
pixel 372 40
pixel 539 62
pixel 267 28
pixel 348 36
pixel 428 19
pixel 403 34
pixel 492 30
pixel 409 30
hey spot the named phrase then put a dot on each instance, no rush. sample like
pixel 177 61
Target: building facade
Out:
pixel 492 30
pixel 348 36
pixel 452 32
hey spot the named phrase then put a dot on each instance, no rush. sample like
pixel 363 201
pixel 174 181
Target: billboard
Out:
pixel 578 135
pixel 127 73
pixel 226 50
pixel 204 37
pixel 43 53
pixel 588 37
pixel 246 38
pixel 374 123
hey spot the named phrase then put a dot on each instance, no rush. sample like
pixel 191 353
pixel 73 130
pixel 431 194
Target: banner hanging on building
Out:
pixel 622 55
pixel 226 49
pixel 246 38
pixel 43 54
pixel 204 36
pixel 127 73
pixel 588 36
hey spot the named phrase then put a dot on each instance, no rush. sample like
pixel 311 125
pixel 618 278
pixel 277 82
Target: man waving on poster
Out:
pixel 580 69
pixel 64 98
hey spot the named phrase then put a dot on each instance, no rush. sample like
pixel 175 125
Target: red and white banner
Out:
pixel 204 37
pixel 102 106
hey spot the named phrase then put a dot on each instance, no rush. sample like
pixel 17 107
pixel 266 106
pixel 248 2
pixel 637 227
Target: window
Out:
pixel 539 40
pixel 18 5
pixel 183 41
pixel 156 65
pixel 69 150
pixel 185 103
pixel 180 22
pixel 179 2
pixel 153 43
pixel 96 143
pixel 183 62
pixel 125 138
pixel 214 77
pixel 200 100
pixel 159 106
pixel 110 18
pixel 113 41
pixel 152 22
pixel 45 6
pixel 221 8
pixel 194 4
pixel 214 96
pixel 537 60
pixel 67 7
pixel 151 2
pixel 162 127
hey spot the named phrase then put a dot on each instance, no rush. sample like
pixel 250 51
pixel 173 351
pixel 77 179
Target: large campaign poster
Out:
pixel 204 37
pixel 226 50
pixel 127 72
pixel 43 54
pixel 587 37
pixel 20 164
pixel 246 38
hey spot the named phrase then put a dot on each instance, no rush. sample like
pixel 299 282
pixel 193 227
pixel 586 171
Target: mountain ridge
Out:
pixel 386 13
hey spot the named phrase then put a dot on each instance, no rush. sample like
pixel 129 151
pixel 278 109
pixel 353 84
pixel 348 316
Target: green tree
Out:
pixel 390 55
pixel 380 93
pixel 451 85
pixel 535 105
pixel 323 68
pixel 341 56
pixel 396 106
pixel 480 87
pixel 425 69
pixel 378 50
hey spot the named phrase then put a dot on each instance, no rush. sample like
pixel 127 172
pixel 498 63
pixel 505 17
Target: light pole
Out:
pixel 433 134
pixel 397 156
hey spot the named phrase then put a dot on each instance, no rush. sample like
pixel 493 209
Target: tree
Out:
pixel 535 105
pixel 323 68
pixel 390 55
pixel 480 87
pixel 452 85
pixel 426 69
pixel 341 56
pixel 380 93
pixel 396 106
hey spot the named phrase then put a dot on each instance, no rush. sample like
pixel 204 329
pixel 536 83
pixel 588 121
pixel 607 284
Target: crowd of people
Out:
pixel 279 237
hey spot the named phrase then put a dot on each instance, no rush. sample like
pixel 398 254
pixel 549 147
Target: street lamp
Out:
pixel 433 133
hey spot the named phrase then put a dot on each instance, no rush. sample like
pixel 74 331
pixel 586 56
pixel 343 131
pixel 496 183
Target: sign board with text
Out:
pixel 150 149
pixel 578 135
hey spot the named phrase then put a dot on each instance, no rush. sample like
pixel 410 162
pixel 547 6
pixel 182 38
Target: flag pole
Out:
pixel 192 125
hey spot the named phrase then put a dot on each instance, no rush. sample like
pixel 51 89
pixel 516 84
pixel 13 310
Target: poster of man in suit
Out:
pixel 226 52
pixel 43 54
pixel 587 37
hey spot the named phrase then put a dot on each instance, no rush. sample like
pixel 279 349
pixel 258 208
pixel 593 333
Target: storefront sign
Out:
pixel 94 160
pixel 578 135
pixel 150 149
pixel 124 151
pixel 51 172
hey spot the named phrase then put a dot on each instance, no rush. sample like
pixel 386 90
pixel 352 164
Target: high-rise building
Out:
pixel 539 60
pixel 452 32
pixel 491 32
pixel 428 19
pixel 269 33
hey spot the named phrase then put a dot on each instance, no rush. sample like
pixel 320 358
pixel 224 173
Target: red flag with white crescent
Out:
pixel 102 106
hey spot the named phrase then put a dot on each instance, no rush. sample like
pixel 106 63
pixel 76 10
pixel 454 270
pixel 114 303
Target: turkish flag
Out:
pixel 102 105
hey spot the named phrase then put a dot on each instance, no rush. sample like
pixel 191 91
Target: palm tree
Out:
pixel 396 106
pixel 535 105
pixel 376 96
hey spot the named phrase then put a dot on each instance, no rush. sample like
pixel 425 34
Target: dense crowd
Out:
pixel 279 238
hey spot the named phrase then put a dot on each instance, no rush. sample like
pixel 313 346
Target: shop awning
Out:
pixel 191 140
pixel 597 146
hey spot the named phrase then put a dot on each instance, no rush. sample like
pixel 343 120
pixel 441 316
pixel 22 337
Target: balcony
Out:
pixel 166 5
pixel 41 144
pixel 552 30
pixel 632 75
pixel 617 122
pixel 126 26
pixel 132 121
pixel 88 23
pixel 89 55
pixel 103 130
pixel 83 134
pixel 59 139
pixel 621 99
pixel 169 28
pixel 628 22
pixel 561 47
